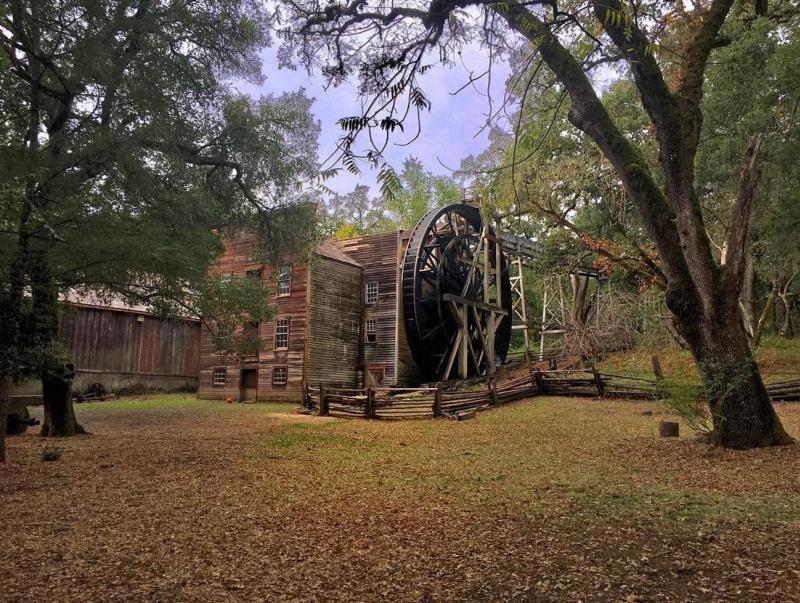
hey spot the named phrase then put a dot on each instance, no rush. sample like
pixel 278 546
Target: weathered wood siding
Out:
pixel 407 371
pixel 107 340
pixel 378 255
pixel 293 308
pixel 238 260
pixel 334 322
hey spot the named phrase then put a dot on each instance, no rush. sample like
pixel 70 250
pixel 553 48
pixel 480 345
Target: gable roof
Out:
pixel 328 249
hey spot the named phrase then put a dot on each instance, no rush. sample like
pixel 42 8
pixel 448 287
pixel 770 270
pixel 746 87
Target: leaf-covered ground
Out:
pixel 545 500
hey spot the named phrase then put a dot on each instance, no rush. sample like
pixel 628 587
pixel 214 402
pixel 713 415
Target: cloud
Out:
pixel 449 132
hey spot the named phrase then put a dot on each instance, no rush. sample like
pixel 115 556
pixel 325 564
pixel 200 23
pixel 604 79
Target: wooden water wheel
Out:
pixel 456 316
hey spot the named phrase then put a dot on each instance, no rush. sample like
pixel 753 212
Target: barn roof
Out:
pixel 329 249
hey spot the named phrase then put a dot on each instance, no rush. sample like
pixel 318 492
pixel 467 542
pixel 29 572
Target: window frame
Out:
pixel 285 370
pixel 367 293
pixel 219 370
pixel 276 333
pixel 373 331
pixel 222 338
pixel 284 276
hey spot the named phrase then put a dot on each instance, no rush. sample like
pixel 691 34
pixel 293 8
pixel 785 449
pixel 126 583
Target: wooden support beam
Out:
pixel 453 353
pixel 450 297
pixel 463 357
pixel 323 401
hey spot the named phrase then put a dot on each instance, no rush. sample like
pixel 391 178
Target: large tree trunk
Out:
pixel 55 371
pixel 59 414
pixel 741 410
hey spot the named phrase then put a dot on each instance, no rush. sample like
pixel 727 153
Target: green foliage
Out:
pixel 228 304
pixel 51 453
pixel 421 192
pixel 687 400
pixel 145 158
pixel 405 198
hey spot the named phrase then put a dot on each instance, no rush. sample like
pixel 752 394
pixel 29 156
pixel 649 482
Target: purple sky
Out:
pixel 448 130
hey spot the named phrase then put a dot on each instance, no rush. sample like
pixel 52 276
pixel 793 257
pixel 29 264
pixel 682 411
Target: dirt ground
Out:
pixel 541 500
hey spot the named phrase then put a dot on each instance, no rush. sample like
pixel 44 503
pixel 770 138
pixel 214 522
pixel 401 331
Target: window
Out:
pixel 220 376
pixel 255 275
pixel 279 374
pixel 285 280
pixel 372 292
pixel 225 279
pixel 282 334
pixel 222 337
pixel 370 333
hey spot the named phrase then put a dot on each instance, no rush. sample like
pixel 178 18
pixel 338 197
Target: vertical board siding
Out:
pixel 119 341
pixel 326 311
pixel 334 323
pixel 378 256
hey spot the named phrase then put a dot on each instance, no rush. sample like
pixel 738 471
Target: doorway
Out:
pixel 375 376
pixel 248 385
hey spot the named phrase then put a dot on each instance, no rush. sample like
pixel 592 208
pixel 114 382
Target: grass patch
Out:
pixel 305 435
pixel 778 360
pixel 684 506
pixel 179 403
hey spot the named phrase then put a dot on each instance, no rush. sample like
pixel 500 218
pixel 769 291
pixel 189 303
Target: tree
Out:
pixel 126 158
pixel 421 191
pixel 666 49
pixel 753 86
pixel 353 214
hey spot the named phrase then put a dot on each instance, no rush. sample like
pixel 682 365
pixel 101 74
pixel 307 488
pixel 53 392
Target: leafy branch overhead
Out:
pixel 666 50
pixel 127 157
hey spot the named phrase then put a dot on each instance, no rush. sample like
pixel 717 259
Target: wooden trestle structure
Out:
pixel 463 293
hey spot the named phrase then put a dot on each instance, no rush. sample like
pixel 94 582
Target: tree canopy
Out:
pixel 127 156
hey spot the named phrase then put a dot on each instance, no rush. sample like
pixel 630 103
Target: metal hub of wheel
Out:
pixel 444 281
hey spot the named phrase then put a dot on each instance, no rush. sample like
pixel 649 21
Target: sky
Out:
pixel 449 132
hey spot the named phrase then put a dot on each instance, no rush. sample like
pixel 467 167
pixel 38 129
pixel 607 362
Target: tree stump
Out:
pixel 668 429
pixel 18 418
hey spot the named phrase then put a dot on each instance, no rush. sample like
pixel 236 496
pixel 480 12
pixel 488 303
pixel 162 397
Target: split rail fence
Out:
pixel 429 402
pixel 785 391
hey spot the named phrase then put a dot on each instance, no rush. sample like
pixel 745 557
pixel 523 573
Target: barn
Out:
pixel 124 348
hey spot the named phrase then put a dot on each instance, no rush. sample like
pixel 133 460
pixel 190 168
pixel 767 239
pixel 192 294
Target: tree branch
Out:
pixel 736 243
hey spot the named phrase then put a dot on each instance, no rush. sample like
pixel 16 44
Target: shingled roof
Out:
pixel 328 249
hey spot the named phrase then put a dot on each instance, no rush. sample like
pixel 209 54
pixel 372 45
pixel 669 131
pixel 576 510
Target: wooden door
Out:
pixel 248 388
pixel 375 376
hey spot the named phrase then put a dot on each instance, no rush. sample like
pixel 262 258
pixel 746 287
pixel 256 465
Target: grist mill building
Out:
pixel 395 309
pixel 336 322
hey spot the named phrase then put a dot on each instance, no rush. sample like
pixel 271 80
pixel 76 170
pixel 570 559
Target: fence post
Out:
pixel 598 381
pixel 305 395
pixel 493 391
pixel 437 401
pixel 370 410
pixel 323 401
pixel 539 381
pixel 657 368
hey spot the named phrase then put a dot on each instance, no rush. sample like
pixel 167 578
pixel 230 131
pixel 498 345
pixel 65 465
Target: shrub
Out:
pixel 687 400
pixel 51 453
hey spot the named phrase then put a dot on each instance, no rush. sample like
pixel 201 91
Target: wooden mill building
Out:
pixel 338 322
